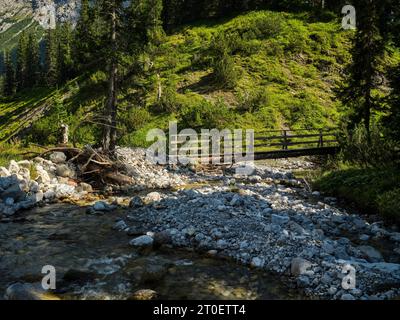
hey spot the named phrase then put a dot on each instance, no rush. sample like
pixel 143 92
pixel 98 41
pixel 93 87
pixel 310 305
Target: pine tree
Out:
pixel 368 51
pixel 50 67
pixel 9 82
pixel 64 52
pixel 21 73
pixel 32 61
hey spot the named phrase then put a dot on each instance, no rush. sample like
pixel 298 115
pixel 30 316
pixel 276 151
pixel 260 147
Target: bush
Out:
pixel 250 101
pixel 375 151
pixel 206 115
pixel 389 205
pixel 226 74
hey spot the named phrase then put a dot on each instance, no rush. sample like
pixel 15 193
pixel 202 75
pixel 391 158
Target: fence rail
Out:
pixel 271 144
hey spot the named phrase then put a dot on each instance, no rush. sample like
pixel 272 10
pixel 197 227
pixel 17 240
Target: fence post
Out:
pixel 321 139
pixel 285 140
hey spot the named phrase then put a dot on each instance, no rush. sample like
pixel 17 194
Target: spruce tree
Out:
pixel 64 52
pixel 32 61
pixel 50 67
pixel 9 82
pixel 364 72
pixel 21 72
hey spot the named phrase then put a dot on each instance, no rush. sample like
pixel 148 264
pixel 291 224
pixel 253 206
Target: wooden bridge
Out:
pixel 275 144
pixel 271 144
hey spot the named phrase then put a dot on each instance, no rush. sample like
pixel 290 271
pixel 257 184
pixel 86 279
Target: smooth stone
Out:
pixel 136 202
pixel 279 220
pixel 347 296
pixel 371 254
pixel 144 294
pixel 142 241
pixel 299 266
pixel 257 262
pixel 27 291
pixel 58 157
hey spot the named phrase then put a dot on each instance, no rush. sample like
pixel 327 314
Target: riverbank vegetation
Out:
pixel 224 64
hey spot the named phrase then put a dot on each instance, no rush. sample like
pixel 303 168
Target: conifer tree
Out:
pixel 21 64
pixel 9 82
pixel 50 67
pixel 364 72
pixel 64 52
pixel 32 61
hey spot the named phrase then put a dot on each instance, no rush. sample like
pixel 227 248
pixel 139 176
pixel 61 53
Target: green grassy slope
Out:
pixel 288 69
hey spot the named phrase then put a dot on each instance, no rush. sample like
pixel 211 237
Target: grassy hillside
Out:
pixel 286 65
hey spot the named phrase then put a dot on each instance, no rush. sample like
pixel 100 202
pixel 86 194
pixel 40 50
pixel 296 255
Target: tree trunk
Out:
pixel 110 128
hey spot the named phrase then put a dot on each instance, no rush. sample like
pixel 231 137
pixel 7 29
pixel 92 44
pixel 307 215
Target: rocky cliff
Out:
pixel 33 15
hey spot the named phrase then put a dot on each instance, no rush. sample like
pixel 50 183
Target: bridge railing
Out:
pixel 271 140
pixel 268 141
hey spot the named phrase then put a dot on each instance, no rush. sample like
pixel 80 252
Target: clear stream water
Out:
pixel 93 261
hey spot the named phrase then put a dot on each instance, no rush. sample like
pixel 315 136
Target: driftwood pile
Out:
pixel 94 165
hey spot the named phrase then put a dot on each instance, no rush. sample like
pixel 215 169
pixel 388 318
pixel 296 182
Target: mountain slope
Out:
pixel 32 15
pixel 287 66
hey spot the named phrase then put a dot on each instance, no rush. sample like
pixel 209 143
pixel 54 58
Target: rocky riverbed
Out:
pixel 268 221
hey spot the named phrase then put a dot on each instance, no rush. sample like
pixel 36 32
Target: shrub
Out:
pixel 226 74
pixel 135 118
pixel 206 115
pixel 372 151
pixel 389 205
pixel 250 101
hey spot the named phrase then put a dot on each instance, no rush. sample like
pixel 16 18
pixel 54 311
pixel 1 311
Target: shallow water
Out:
pixel 93 261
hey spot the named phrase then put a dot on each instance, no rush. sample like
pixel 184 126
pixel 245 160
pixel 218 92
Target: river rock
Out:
pixel 42 175
pixel 24 164
pixel 347 296
pixel 144 241
pixel 34 186
pixel 299 266
pixel 84 187
pixel 14 192
pixel 100 206
pixel 64 190
pixel 257 262
pixel 279 219
pixel 49 195
pixel 9 201
pixel 58 157
pixel 371 254
pixel 136 202
pixel 144 294
pixel 152 197
pixel 13 167
pixel 36 197
pixel 120 225
pixel 27 291
pixel 64 171
pixel 4 172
